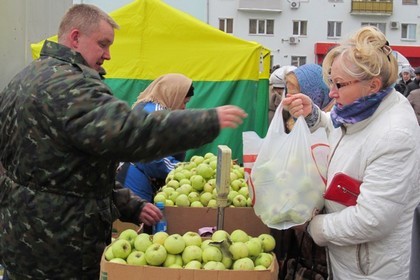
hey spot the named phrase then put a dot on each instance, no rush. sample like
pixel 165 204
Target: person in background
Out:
pixel 374 136
pixel 277 85
pixel 62 134
pixel 414 99
pixel 414 84
pixel 405 78
pixel 301 256
pixel 167 92
pixel 307 79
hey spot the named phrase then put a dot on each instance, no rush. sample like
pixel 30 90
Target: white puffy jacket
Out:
pixel 372 239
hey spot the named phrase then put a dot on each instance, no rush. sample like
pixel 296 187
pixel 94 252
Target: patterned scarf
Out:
pixel 359 110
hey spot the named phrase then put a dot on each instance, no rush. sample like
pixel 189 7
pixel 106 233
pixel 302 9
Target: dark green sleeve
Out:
pixel 128 204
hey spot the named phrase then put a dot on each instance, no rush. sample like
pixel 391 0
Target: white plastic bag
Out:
pixel 288 176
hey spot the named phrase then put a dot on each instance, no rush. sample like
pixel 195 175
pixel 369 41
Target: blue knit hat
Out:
pixel 311 83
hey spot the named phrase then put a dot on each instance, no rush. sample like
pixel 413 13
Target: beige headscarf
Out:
pixel 168 91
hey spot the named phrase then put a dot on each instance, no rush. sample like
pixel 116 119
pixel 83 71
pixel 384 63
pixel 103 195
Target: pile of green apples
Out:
pixel 221 251
pixel 193 184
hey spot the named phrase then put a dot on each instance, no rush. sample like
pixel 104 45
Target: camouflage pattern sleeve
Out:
pixel 128 204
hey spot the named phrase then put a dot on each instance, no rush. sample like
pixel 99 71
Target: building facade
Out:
pixel 302 31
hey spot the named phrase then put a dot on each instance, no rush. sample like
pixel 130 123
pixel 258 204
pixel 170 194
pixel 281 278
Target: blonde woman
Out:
pixel 374 136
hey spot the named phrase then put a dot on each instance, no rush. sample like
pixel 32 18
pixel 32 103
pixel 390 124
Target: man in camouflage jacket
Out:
pixel 61 135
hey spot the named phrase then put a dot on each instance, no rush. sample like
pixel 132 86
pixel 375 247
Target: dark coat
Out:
pixel 61 135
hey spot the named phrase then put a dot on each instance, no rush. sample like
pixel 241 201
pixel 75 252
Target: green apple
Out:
pixel 159 197
pixel 160 237
pixel 209 155
pixel 190 165
pixel 239 235
pixel 173 196
pixel 172 259
pixel 185 189
pixel 194 264
pixel 169 202
pixel 238 250
pixel 205 244
pixel 233 176
pixel 197 182
pixel 192 238
pixel 130 235
pixel 254 245
pixel 212 182
pixel 213 164
pixel 205 197
pixel 208 187
pixel 264 259
pixel 212 203
pixel 155 254
pixel 212 253
pixel 243 264
pixel 142 241
pixel 244 191
pixel 192 252
pixel 174 244
pixel 236 184
pixel 231 195
pixel 268 242
pixel 214 265
pixel 194 196
pixel 173 184
pixel 168 190
pixel 188 173
pixel 108 254
pixel 220 235
pixel 118 260
pixel 179 175
pixel 205 170
pixel 197 159
pixel 239 201
pixel 182 200
pixel 227 262
pixel 260 267
pixel 184 181
pixel 196 204
pixel 136 258
pixel 175 265
pixel 121 248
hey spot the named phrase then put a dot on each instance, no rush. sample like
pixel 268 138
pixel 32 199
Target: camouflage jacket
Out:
pixel 61 135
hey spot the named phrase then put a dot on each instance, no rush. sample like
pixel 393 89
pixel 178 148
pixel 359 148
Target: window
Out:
pixel 298 60
pixel 381 26
pixel 408 31
pixel 334 29
pixel 409 2
pixel 226 24
pixel 261 26
pixel 300 27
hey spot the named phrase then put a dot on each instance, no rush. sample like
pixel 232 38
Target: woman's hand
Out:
pixel 298 104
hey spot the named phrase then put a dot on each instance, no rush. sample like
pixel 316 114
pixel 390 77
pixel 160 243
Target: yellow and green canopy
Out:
pixel 155 38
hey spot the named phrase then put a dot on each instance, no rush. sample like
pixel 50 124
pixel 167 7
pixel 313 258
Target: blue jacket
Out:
pixel 139 176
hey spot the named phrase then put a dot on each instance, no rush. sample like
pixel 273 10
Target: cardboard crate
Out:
pixel 115 271
pixel 183 219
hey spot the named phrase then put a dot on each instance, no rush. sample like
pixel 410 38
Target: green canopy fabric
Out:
pixel 155 38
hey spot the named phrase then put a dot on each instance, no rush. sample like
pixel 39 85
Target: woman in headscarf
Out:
pixel 168 92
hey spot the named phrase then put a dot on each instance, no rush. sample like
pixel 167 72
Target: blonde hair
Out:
pixel 369 56
pixel 84 17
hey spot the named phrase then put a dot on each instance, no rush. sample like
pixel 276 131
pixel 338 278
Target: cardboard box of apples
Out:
pixel 224 255
pixel 190 197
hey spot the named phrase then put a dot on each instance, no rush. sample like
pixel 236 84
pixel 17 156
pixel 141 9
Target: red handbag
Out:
pixel 343 189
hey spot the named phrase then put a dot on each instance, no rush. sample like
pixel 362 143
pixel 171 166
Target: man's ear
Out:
pixel 74 38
